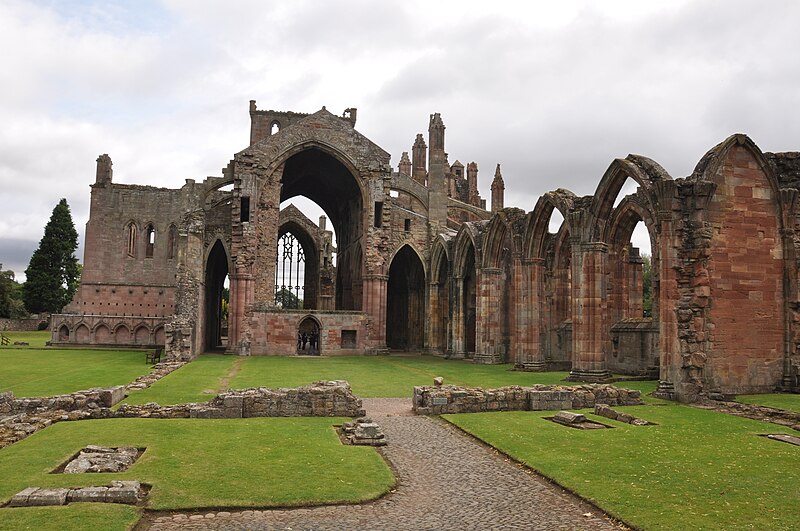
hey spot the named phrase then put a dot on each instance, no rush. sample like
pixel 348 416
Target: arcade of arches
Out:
pixel 419 263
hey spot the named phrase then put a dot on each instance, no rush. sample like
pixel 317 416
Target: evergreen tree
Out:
pixel 53 273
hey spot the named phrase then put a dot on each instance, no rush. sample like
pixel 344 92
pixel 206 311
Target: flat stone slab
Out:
pixel 36 497
pixel 791 439
pixel 128 492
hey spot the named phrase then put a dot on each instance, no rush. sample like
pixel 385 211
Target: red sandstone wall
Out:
pixel 275 332
pixel 746 335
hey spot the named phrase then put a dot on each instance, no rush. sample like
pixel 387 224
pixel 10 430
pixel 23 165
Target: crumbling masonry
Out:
pixel 420 264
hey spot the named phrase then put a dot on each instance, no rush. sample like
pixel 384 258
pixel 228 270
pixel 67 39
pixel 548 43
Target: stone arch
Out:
pixel 82 334
pixel 536 229
pixel 131 235
pixel 465 258
pixel 644 171
pixel 149 239
pixel 439 298
pixel 141 335
pixel 405 300
pixel 217 268
pixel 557 304
pixel 312 328
pixel 295 223
pixel 122 335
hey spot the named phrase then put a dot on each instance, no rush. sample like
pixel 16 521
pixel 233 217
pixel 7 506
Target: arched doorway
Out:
pixel 469 300
pixel 216 301
pixel 405 301
pixel 308 337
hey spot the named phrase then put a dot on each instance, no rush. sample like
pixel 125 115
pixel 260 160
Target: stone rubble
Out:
pixel 364 432
pixel 603 410
pixel 98 459
pixel 453 399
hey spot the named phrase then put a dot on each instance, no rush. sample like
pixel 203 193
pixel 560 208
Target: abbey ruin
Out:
pixel 419 262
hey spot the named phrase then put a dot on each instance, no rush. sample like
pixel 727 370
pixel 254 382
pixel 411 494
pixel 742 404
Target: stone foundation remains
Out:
pixel 320 399
pixel 604 410
pixel 452 399
pixel 129 492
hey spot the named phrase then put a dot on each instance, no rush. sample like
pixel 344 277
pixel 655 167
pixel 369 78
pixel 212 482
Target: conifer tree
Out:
pixel 53 273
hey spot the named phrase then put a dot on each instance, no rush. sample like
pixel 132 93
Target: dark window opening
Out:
pixel 244 215
pixel 151 242
pixel 378 213
pixel 348 339
pixel 407 224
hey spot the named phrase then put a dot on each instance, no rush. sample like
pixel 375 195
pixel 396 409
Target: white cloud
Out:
pixel 552 90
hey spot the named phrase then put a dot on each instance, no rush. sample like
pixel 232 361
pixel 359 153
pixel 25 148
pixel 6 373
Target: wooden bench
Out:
pixel 4 339
pixel 154 357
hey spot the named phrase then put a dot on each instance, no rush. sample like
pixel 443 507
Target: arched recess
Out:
pixel 63 333
pixel 405 301
pixel 159 336
pixel 328 178
pixel 216 273
pixel 122 335
pixel 141 336
pixel 102 334
pixel 439 298
pixel 298 264
pixel 82 334
pixel 744 272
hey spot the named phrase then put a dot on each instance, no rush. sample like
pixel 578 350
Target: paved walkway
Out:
pixel 446 480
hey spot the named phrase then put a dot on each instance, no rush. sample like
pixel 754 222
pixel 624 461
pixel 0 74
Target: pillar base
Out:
pixel 531 366
pixel 589 376
pixel 487 359
pixel 665 390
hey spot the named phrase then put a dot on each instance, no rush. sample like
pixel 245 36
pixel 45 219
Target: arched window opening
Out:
pixel 151 241
pixel 290 273
pixel 275 127
pixel 132 239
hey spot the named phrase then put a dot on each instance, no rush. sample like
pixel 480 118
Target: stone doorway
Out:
pixel 216 298
pixel 405 301
pixel 309 339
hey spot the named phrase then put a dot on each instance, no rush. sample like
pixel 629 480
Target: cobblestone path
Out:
pixel 446 480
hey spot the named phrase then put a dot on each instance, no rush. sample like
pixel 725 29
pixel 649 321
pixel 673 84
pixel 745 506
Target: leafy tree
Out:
pixel 286 299
pixel 11 305
pixel 647 285
pixel 53 273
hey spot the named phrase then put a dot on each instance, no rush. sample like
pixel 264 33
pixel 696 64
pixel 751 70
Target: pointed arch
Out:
pixel 538 221
pixel 405 300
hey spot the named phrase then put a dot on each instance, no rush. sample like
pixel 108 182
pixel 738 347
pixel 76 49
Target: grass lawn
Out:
pixel 197 381
pixel 74 517
pixel 696 469
pixel 257 462
pixel 787 401
pixel 34 339
pixel 42 372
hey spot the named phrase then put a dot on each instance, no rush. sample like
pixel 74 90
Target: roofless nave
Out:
pixel 421 265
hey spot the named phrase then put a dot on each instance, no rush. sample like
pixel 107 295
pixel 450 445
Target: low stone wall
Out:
pixel 80 400
pixel 320 399
pixel 443 399
pixel 23 325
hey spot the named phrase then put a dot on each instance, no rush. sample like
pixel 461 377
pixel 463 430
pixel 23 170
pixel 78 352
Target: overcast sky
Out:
pixel 551 90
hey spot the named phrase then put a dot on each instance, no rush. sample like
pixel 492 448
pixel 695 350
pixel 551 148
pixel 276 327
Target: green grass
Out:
pixel 258 462
pixel 73 517
pixel 34 339
pixel 198 381
pixel 696 469
pixel 43 372
pixel 789 402
pixel 381 376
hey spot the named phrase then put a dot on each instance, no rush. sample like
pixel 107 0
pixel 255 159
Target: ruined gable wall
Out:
pixel 745 329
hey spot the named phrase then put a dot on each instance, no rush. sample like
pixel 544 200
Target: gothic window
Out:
pixel 275 127
pixel 150 243
pixel 131 239
pixel 289 272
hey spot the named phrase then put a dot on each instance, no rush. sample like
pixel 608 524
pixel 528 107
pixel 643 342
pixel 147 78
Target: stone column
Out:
pixel 529 323
pixel 241 291
pixel 458 345
pixel 490 347
pixel 374 305
pixel 589 264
